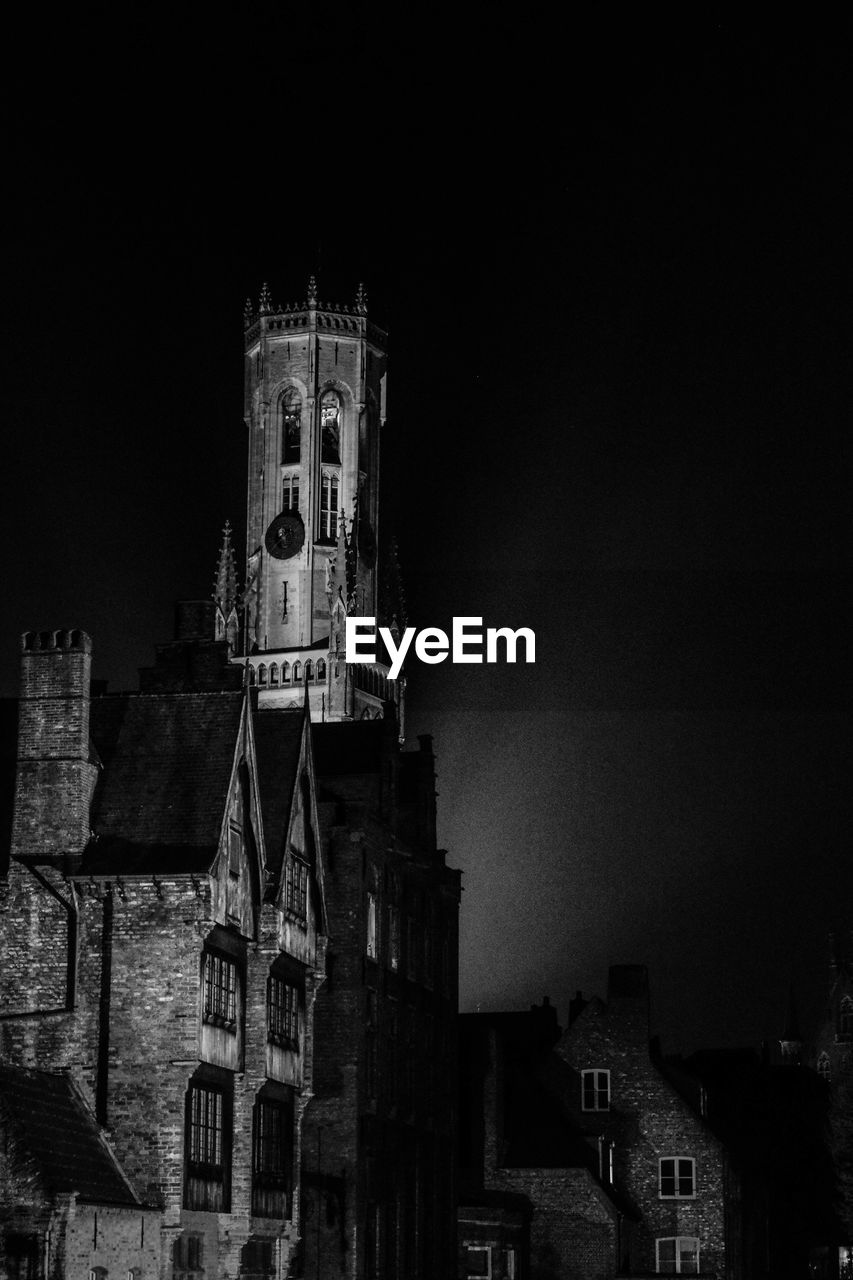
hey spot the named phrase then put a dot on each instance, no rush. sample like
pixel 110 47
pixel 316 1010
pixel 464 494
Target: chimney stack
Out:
pixel 55 776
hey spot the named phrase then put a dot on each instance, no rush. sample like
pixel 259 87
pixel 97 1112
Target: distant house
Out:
pixel 601 1153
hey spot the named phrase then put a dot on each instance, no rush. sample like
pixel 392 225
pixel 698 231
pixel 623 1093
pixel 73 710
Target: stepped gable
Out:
pixel 278 745
pixel 53 1125
pixel 167 767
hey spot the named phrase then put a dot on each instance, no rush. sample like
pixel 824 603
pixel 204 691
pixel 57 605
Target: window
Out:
pixel 371 940
pixel 677 1178
pixel 296 888
pixel 187 1255
pixel 330 427
pixel 321 669
pixel 677 1255
pixel 272 1161
pixel 220 991
pixel 478 1260
pixel 329 507
pixel 208 1148
pixel 595 1090
pixel 291 423
pixel 393 937
pixel 823 1067
pixel 274 673
pixel 23 1255
pixel 290 493
pixel 511 1267
pixel 845 1017
pixel 283 1013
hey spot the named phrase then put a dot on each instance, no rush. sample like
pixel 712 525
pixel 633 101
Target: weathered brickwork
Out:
pixel 107 967
pixel 647 1121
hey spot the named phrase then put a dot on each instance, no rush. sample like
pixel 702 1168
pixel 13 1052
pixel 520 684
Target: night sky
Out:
pixel 615 265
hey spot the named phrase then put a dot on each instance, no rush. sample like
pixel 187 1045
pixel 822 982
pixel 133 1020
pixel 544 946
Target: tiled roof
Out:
pixel 167 765
pixel 51 1122
pixel 278 742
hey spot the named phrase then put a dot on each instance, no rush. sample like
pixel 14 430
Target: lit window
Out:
pixel 330 427
pixel 296 887
pixel 283 1012
pixel 478 1261
pixel 393 937
pixel 329 506
pixel 291 415
pixel 595 1090
pixel 290 493
pixel 677 1255
pixel 371 941
pixel 677 1178
pixel 220 991
pixel 208 1142
pixel 272 1163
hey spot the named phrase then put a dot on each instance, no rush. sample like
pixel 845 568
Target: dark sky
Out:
pixel 615 265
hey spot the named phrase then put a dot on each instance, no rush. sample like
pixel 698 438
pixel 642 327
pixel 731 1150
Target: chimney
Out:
pixel 55 776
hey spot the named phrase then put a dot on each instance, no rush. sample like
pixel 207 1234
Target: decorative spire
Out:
pixel 361 300
pixel 248 313
pixel 225 583
pixel 312 291
pixel 266 299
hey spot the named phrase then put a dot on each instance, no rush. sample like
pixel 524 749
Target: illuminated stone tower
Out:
pixel 314 405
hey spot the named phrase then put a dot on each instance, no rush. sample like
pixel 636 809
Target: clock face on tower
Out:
pixel 285 535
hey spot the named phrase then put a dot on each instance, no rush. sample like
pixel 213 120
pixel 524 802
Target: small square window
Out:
pixel 677 1256
pixel 677 1178
pixel 478 1261
pixel 595 1090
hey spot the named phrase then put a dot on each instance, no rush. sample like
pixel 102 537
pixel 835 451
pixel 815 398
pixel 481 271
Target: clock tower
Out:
pixel 314 404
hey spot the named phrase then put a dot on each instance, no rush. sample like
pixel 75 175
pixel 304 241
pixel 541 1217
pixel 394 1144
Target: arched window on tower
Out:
pixel 290 493
pixel 330 427
pixel 291 424
pixel 329 507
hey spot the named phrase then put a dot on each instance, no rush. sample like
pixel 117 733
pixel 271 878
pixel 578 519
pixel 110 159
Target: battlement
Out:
pixel 61 641
pixel 309 315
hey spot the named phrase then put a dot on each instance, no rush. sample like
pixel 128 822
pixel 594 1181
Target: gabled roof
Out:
pixel 278 745
pixel 167 763
pixel 52 1124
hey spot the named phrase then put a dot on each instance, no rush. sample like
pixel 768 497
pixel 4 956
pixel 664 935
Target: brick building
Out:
pixel 162 938
pixel 165 911
pixel 600 1143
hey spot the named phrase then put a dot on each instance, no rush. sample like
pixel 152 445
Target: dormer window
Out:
pixel 595 1090
pixel 330 427
pixel 220 991
pixel 291 428
pixel 296 888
